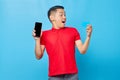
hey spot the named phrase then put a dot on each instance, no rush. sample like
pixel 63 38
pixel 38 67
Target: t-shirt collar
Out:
pixel 57 29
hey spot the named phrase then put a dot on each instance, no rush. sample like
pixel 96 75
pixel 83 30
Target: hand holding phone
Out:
pixel 38 27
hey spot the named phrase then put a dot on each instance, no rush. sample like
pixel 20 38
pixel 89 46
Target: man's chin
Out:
pixel 63 25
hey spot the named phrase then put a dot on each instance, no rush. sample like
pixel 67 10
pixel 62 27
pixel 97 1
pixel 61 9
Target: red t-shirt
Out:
pixel 60 47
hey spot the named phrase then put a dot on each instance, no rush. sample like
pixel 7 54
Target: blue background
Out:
pixel 17 18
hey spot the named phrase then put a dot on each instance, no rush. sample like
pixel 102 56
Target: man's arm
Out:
pixel 83 47
pixel 39 49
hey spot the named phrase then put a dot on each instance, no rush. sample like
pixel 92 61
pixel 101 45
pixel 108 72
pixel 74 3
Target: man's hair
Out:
pixel 53 9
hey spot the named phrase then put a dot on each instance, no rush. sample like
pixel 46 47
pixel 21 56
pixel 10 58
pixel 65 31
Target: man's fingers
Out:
pixel 33 33
pixel 89 27
pixel 33 30
pixel 89 30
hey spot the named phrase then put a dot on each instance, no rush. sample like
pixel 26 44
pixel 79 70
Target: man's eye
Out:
pixel 61 15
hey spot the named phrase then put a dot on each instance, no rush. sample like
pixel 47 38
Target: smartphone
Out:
pixel 38 27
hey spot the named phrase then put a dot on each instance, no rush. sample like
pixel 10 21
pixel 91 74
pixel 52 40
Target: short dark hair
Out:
pixel 54 8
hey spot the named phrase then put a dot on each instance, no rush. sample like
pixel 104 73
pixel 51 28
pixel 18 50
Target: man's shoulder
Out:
pixel 46 31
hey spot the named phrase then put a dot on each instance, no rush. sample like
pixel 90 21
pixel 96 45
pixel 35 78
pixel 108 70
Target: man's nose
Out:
pixel 64 17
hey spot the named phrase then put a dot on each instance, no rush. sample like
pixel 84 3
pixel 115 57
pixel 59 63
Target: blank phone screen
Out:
pixel 38 26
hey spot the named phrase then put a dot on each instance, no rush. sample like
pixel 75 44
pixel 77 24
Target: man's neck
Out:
pixel 55 26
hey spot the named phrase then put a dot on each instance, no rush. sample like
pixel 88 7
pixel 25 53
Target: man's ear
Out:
pixel 52 17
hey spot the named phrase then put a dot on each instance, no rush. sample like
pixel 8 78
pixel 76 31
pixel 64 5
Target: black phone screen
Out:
pixel 38 26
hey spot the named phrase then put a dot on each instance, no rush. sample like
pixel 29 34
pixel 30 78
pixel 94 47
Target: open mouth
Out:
pixel 63 21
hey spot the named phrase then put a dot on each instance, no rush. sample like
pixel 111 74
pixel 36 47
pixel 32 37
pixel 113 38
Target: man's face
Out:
pixel 59 18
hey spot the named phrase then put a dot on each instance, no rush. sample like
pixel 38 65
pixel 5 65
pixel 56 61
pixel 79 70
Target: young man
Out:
pixel 60 42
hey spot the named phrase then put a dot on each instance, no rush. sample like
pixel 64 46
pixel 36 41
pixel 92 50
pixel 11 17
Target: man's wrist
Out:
pixel 37 39
pixel 88 37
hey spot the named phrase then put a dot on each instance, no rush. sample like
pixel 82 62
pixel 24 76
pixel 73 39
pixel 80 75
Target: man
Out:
pixel 60 42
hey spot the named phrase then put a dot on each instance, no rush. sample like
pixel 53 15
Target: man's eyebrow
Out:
pixel 61 12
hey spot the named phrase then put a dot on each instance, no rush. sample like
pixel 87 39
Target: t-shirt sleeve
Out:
pixel 42 40
pixel 77 35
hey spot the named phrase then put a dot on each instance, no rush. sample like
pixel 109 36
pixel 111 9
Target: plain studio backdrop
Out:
pixel 17 18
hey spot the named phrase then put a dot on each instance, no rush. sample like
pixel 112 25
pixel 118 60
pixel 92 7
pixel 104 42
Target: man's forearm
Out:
pixel 38 51
pixel 86 44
